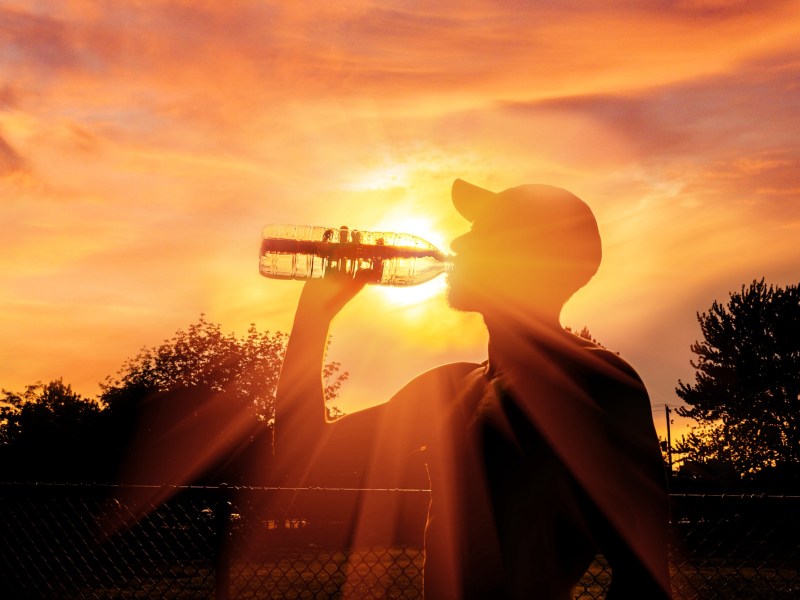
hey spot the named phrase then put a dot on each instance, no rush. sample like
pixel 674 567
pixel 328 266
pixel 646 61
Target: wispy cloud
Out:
pixel 10 159
pixel 144 143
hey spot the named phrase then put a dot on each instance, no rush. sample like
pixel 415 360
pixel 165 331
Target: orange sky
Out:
pixel 144 144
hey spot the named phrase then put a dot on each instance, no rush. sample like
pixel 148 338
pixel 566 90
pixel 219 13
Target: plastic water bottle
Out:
pixel 308 252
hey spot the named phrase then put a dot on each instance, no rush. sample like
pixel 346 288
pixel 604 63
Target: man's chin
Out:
pixel 458 300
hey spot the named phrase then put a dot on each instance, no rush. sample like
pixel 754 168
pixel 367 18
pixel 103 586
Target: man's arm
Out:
pixel 368 448
pixel 300 414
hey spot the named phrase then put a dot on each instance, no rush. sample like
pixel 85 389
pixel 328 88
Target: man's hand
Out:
pixel 325 297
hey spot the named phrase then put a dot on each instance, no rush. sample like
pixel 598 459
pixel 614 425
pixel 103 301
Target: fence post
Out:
pixel 222 520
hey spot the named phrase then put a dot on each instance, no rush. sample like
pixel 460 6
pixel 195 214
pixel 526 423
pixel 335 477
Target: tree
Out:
pixel 746 393
pixel 204 356
pixel 199 407
pixel 203 396
pixel 45 433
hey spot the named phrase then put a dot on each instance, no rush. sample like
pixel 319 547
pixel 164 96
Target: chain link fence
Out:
pixel 79 542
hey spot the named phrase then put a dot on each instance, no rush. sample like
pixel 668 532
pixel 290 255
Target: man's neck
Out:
pixel 516 335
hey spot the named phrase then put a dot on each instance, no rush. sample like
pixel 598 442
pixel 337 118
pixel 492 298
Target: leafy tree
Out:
pixel 746 393
pixel 45 433
pixel 203 396
pixel 203 356
pixel 199 408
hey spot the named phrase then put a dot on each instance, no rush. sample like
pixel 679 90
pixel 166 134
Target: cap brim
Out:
pixel 470 200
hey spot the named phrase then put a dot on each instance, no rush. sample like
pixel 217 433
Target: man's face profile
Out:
pixel 485 263
pixel 529 247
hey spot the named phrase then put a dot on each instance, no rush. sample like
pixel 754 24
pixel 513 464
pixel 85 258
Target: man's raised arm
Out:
pixel 373 447
pixel 300 414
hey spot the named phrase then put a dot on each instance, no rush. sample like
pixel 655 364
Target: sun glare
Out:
pixel 421 226
pixel 414 294
pixel 425 228
pixel 386 177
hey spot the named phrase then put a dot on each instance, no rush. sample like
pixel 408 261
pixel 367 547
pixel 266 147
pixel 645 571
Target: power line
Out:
pixel 661 407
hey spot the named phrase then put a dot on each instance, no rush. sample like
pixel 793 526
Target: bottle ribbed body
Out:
pixel 384 258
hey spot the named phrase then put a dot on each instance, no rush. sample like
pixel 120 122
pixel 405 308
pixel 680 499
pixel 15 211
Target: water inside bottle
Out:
pixel 307 252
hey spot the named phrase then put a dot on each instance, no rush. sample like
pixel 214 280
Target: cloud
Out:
pixel 8 97
pixel 729 136
pixel 35 41
pixel 473 50
pixel 721 8
pixel 163 65
pixel 158 137
pixel 722 111
pixel 10 160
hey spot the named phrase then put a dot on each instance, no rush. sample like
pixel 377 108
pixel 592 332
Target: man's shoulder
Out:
pixel 615 384
pixel 441 381
pixel 454 372
pixel 611 364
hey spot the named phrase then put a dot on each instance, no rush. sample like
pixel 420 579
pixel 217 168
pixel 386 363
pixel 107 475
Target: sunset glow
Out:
pixel 144 145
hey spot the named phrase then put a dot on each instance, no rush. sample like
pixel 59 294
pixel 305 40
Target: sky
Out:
pixel 143 145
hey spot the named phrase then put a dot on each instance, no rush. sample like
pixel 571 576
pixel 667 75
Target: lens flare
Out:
pixel 400 221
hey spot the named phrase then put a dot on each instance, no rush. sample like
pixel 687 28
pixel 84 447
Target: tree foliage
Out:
pixel 244 367
pixel 46 429
pixel 169 403
pixel 746 393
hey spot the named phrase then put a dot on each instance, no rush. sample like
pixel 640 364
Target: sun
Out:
pixel 414 295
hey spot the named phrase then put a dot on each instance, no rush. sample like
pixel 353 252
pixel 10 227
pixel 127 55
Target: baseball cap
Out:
pixel 548 219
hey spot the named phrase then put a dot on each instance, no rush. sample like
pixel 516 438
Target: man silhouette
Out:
pixel 538 458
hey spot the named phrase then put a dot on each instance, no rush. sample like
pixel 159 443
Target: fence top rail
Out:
pixel 113 486
pixel 739 496
pixel 54 486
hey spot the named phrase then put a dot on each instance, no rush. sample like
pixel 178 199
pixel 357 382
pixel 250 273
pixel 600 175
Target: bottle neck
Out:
pixel 447 263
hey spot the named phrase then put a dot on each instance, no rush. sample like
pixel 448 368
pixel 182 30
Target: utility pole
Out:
pixel 669 442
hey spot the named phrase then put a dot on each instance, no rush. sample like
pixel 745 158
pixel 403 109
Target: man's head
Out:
pixel 530 246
